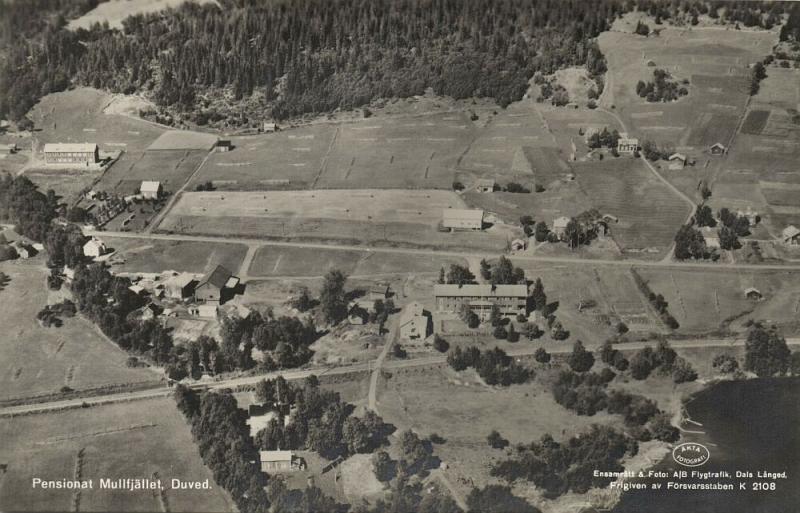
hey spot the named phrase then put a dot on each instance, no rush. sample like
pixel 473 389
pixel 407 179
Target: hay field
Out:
pixel 380 216
pixel 170 167
pixel 400 152
pixel 649 213
pixel 67 183
pixel 114 11
pixel 183 140
pixel 285 261
pixel 154 256
pixel 290 159
pixel 38 360
pixel 124 440
pixel 701 301
pixel 77 116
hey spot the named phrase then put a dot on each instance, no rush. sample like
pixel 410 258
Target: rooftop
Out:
pixel 410 312
pixel 481 290
pixel 464 214
pixel 790 231
pixel 275 455
pixel 218 277
pixel 150 186
pixel 70 147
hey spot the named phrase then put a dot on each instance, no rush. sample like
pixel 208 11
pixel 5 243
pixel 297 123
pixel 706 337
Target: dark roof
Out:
pixel 218 277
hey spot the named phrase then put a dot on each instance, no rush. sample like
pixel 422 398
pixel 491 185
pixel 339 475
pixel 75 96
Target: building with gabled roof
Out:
pixel 71 153
pixel 485 185
pixel 212 286
pixel 150 189
pixel 413 322
pixel 94 248
pixel 627 144
pixel 462 219
pixel 718 149
pixel 791 235
pixel 511 299
pixel 277 461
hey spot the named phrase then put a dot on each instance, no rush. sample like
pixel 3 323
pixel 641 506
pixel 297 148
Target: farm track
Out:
pixel 669 264
pixel 296 374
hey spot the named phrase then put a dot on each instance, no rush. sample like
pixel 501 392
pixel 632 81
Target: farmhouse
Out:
pixel 212 286
pixel 150 189
pixel 511 299
pixel 224 145
pixel 94 248
pixel 560 226
pixel 677 161
pixel 276 461
pixel 462 219
pixel 627 144
pixel 413 322
pixel 718 149
pixel 791 235
pixel 70 153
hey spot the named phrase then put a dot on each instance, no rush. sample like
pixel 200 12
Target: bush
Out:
pixel 500 333
pixel 580 360
pixel 458 186
pixel 496 441
pixel 725 364
pixel 440 344
pixel 541 355
pixel 682 371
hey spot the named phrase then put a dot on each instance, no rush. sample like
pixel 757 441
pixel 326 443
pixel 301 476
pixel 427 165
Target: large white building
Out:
pixel 462 219
pixel 71 153
pixel 150 189
pixel 511 299
pixel 94 248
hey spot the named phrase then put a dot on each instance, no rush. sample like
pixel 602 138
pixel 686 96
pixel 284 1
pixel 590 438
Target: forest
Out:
pixel 288 59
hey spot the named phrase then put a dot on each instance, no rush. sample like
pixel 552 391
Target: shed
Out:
pixel 718 149
pixel 276 461
pixel 753 294
pixel 224 145
pixel 518 244
pixel 485 185
pixel 791 235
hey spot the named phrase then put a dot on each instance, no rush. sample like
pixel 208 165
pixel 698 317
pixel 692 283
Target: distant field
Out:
pixel 184 140
pixel 114 11
pixel 152 256
pixel 170 167
pixel 77 116
pixel 38 360
pixel 66 183
pixel 126 440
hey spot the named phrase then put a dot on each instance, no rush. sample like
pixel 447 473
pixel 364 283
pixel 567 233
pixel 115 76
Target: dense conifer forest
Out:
pixel 311 56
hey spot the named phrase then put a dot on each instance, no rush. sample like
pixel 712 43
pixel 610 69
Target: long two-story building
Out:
pixel 511 299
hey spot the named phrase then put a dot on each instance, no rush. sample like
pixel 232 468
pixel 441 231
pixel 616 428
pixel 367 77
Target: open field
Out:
pixel 702 301
pixel 125 440
pixel 114 11
pixel 183 140
pixel 406 217
pixel 77 116
pixel 139 255
pixel 170 167
pixel 68 184
pixel 649 213
pixel 38 360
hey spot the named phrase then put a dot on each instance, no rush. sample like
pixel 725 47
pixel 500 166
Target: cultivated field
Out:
pixel 68 184
pixel 114 11
pixel 38 360
pixel 153 256
pixel 170 167
pixel 702 301
pixel 127 440
pixel 409 217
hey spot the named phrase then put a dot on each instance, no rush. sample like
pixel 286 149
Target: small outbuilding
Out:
pixel 627 144
pixel 677 161
pixel 224 145
pixel 94 248
pixel 718 149
pixel 278 461
pixel 791 235
pixel 8 149
pixel 519 245
pixel 753 294
pixel 485 185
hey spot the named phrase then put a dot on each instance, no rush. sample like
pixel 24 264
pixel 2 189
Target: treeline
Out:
pixel 657 301
pixel 223 439
pixel 24 205
pixel 558 468
pixel 493 365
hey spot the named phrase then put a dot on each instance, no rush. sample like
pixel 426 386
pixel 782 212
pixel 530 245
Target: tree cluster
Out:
pixel 663 358
pixel 603 139
pixel 657 301
pixel 765 351
pixel 558 468
pixel 493 365
pixel 661 88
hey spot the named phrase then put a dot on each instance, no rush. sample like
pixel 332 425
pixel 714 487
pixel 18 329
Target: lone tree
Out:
pixel 580 360
pixel 766 352
pixel 538 297
pixel 332 297
pixel 459 275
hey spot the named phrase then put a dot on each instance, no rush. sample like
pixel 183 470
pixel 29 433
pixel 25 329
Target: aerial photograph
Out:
pixel 400 256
